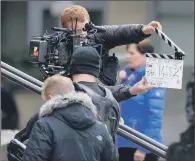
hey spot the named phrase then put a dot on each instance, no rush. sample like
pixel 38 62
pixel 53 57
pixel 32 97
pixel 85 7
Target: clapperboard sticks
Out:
pixel 179 54
pixel 160 56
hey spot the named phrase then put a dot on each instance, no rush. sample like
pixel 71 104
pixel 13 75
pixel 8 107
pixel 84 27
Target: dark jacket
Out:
pixel 67 130
pixel 184 150
pixel 116 35
pixel 190 102
pixel 120 93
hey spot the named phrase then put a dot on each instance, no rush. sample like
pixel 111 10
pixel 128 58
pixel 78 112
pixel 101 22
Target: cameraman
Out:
pixel 114 35
pixel 67 128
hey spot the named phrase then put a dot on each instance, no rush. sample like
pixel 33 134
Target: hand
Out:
pixel 121 121
pixel 149 29
pixel 141 87
pixel 122 75
pixel 139 155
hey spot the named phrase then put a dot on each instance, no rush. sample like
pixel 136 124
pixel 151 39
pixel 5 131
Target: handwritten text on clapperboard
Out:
pixel 165 73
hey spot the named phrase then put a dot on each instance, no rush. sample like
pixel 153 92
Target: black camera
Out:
pixel 15 150
pixel 52 52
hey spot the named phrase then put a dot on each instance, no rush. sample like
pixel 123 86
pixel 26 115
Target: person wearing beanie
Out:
pixel 85 60
pixel 85 69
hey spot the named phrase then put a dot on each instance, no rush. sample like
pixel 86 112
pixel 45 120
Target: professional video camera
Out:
pixel 52 52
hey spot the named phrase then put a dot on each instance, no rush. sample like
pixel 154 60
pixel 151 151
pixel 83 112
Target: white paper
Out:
pixel 166 73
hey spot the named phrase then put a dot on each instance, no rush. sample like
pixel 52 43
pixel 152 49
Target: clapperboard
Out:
pixel 165 70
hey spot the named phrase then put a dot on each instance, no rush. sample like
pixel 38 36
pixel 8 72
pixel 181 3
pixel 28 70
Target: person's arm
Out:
pixel 121 92
pixel 155 102
pixel 110 151
pixel 117 35
pixel 39 146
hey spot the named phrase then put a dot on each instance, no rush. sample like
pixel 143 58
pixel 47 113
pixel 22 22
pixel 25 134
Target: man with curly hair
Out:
pixel 114 35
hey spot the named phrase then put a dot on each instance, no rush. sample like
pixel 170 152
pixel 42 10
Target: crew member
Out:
pixel 84 70
pixel 114 35
pixel 67 128
pixel 184 149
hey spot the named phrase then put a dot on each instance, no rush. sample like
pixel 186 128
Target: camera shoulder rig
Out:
pixel 52 52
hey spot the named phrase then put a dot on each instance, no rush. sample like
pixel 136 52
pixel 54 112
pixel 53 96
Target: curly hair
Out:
pixel 74 12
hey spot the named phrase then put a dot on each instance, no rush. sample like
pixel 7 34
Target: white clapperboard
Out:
pixel 164 70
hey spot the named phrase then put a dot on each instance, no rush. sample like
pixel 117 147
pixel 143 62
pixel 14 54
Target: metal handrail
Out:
pixel 123 130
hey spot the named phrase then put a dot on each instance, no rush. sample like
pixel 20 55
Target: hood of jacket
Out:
pixel 75 109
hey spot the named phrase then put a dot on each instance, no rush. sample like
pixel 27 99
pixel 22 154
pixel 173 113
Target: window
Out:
pixel 96 16
pixel 49 20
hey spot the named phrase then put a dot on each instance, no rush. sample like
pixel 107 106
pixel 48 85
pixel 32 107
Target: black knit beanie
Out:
pixel 85 60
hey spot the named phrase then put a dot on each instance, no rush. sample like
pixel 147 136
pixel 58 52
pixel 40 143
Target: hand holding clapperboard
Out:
pixel 164 70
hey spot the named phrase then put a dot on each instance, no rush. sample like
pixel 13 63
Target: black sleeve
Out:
pixel 190 103
pixel 116 35
pixel 110 151
pixel 39 146
pixel 121 92
pixel 184 149
pixel 174 151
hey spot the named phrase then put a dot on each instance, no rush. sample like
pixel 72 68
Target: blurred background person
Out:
pixel 144 112
pixel 184 149
pixel 9 110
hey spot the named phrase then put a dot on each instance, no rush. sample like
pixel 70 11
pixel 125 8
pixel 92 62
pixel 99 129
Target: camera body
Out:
pixel 52 52
pixel 15 150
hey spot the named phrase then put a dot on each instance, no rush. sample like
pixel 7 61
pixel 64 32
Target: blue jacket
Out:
pixel 144 112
